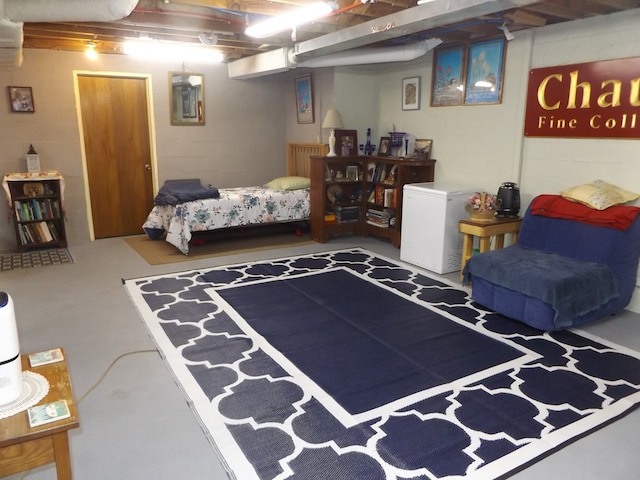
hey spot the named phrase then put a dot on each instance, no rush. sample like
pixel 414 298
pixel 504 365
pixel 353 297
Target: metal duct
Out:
pixel 68 10
pixel 406 22
pixel 364 56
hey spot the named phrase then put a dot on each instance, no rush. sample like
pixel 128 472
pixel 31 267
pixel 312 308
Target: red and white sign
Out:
pixel 585 100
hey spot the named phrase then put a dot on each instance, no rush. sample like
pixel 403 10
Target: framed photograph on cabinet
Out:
pixel 384 150
pixel 448 77
pixel 411 93
pixel 485 72
pixel 422 149
pixel 352 173
pixel 304 99
pixel 347 139
pixel 21 99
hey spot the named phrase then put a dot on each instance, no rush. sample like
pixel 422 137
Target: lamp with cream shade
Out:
pixel 332 120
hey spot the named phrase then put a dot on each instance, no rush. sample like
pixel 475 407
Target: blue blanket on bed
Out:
pixel 571 287
pixel 180 191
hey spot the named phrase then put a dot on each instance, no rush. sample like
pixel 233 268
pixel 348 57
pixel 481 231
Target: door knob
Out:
pixel 147 166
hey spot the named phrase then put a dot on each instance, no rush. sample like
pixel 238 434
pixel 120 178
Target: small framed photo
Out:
pixel 448 77
pixel 304 99
pixel 411 93
pixel 347 140
pixel 352 173
pixel 384 150
pixel 21 99
pixel 422 149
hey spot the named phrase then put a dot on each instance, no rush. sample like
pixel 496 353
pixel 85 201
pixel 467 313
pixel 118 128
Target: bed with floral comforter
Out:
pixel 236 207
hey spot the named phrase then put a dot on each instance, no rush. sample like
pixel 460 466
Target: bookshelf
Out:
pixel 362 195
pixel 36 205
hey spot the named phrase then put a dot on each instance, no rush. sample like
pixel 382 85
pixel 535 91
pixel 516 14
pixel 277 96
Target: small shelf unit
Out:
pixel 37 207
pixel 362 195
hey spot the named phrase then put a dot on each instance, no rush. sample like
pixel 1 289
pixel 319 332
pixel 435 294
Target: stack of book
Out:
pixel 380 218
pixel 347 213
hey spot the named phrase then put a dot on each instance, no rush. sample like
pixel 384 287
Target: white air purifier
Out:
pixel 10 364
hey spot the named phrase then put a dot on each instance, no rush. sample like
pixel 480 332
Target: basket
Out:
pixel 482 215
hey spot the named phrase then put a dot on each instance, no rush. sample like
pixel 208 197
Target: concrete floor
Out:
pixel 136 425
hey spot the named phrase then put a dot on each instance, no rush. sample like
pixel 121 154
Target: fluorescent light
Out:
pixel 155 50
pixel 422 2
pixel 290 20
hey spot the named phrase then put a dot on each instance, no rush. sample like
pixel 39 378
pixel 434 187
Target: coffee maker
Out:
pixel 508 200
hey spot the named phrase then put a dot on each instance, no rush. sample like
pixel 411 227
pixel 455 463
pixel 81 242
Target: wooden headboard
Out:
pixel 298 162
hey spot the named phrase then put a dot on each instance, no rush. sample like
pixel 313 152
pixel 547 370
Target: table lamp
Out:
pixel 332 120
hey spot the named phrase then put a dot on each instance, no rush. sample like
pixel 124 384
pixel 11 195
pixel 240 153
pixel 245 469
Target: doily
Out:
pixel 34 388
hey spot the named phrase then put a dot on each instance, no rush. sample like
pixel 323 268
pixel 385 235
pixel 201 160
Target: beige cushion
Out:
pixel 289 183
pixel 599 195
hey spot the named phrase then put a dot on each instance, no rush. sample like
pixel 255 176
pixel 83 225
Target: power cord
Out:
pixel 119 357
pixel 95 385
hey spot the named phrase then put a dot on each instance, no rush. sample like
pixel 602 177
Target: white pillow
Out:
pixel 599 195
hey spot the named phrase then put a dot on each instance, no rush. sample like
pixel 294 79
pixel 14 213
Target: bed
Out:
pixel 286 199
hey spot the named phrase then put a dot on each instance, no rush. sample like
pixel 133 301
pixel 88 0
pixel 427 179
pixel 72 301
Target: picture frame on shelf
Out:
pixel 422 148
pixel 304 99
pixel 21 99
pixel 485 72
pixel 448 77
pixel 351 173
pixel 347 138
pixel 411 93
pixel 384 149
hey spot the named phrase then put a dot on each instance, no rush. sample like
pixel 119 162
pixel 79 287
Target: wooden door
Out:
pixel 117 145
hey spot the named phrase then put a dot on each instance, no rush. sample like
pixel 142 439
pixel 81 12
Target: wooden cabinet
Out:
pixel 36 204
pixel 362 195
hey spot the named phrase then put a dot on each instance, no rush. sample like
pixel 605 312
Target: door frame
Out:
pixel 152 134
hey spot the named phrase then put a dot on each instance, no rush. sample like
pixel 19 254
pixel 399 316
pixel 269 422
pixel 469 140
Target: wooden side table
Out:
pixel 498 227
pixel 22 447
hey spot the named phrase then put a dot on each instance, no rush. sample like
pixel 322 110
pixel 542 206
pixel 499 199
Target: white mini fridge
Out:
pixel 430 215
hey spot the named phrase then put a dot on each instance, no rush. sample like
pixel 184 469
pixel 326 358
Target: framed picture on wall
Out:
pixel 304 99
pixel 21 99
pixel 411 93
pixel 448 77
pixel 485 72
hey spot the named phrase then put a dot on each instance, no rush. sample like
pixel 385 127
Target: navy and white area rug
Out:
pixel 347 365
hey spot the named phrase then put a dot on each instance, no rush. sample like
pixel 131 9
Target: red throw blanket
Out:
pixel 619 217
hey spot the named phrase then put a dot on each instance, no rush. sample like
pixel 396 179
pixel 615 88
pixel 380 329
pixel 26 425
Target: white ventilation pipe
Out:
pixel 68 10
pixel 10 43
pixel 365 56
pixel 14 12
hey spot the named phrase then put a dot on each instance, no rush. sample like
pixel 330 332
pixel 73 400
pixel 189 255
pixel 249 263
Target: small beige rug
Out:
pixel 158 252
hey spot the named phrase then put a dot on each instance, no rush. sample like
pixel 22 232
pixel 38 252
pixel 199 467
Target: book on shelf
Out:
pixel 389 197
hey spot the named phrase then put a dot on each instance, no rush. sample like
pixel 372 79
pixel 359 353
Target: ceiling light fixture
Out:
pixel 166 51
pixel 90 52
pixel 422 2
pixel 290 20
